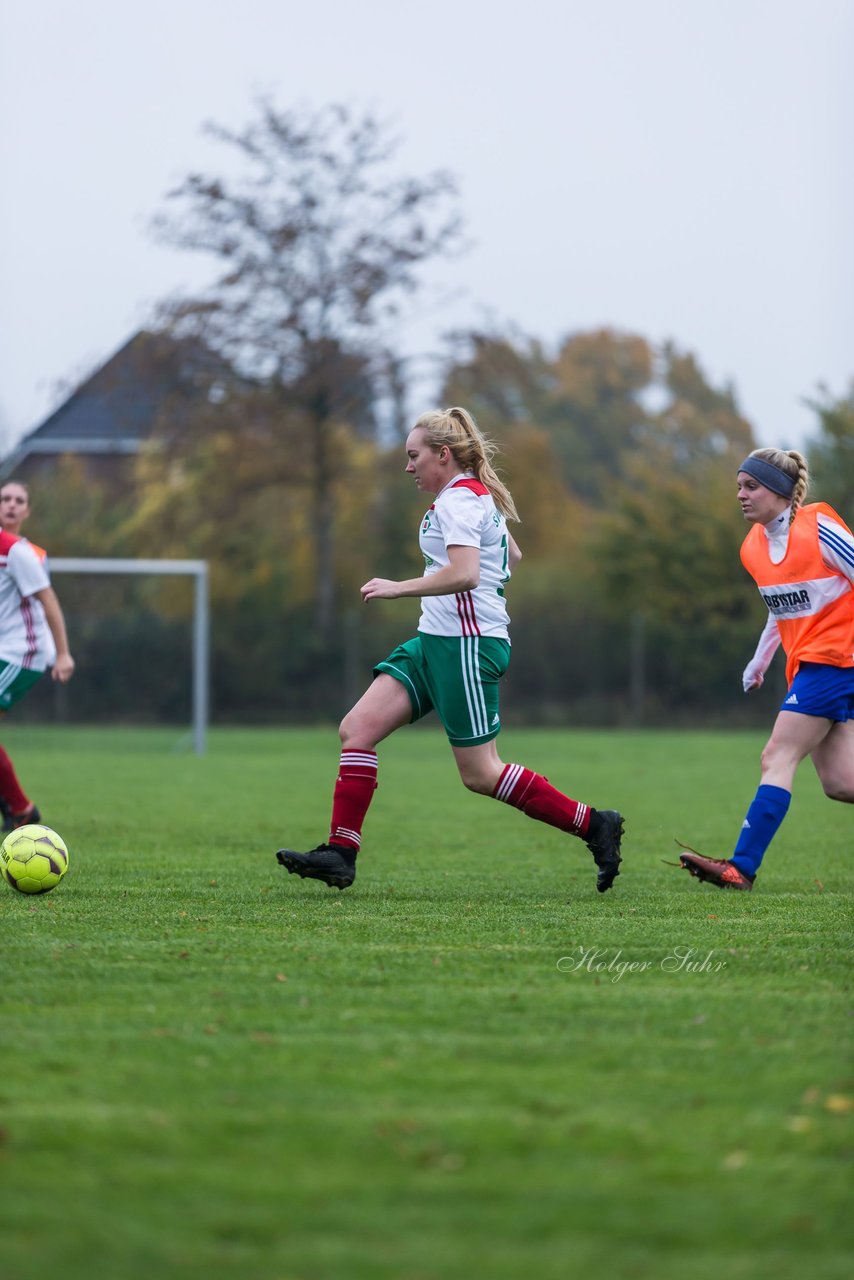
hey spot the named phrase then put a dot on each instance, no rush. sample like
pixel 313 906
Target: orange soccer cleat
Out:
pixel 719 871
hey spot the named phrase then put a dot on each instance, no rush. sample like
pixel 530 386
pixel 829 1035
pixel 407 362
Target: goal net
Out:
pixel 199 657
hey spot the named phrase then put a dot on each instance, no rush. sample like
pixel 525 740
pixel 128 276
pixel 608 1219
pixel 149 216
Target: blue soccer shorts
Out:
pixel 821 690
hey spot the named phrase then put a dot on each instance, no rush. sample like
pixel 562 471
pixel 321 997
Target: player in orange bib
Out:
pixel 802 560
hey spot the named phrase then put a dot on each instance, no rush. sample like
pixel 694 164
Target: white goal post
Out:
pixel 198 570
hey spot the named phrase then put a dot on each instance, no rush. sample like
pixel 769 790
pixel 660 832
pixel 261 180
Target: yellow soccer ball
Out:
pixel 33 859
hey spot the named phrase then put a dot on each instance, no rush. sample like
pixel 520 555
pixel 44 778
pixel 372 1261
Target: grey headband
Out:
pixel 774 478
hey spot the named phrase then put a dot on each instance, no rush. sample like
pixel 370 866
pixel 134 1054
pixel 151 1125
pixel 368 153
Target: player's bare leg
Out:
pixel 793 738
pixel 834 762
pixel 482 770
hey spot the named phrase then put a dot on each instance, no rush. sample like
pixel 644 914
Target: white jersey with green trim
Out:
pixel 465 515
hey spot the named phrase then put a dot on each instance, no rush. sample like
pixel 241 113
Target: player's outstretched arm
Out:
pixel 515 554
pixel 769 643
pixel 63 667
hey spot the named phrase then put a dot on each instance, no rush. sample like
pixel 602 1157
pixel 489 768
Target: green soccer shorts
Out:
pixel 15 681
pixel 455 676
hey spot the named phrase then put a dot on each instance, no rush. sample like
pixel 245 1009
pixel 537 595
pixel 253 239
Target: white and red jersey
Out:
pixel 465 515
pixel 25 637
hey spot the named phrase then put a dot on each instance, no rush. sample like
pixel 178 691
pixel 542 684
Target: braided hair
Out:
pixel 794 464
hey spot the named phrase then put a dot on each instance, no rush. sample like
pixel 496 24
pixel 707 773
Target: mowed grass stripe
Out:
pixel 211 1067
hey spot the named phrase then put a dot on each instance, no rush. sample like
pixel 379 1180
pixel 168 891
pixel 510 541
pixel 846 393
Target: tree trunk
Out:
pixel 323 527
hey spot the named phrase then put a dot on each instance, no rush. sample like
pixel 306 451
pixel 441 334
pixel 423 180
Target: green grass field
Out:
pixel 469 1064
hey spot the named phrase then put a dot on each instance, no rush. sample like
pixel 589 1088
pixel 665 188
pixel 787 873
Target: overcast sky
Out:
pixel 682 169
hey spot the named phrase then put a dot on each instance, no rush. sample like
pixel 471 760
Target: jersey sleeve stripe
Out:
pixel 840 545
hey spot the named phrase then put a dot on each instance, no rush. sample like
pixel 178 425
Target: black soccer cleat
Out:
pixel 334 864
pixel 604 836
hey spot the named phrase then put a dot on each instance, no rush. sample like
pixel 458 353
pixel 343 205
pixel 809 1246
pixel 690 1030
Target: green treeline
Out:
pixel 630 605
pixel 277 455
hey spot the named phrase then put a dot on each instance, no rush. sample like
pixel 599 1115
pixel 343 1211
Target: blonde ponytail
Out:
pixel 456 429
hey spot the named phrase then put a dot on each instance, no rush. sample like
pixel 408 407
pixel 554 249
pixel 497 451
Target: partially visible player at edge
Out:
pixel 454 663
pixel 802 560
pixel 32 634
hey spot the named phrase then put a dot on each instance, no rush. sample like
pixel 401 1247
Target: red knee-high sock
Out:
pixel 536 797
pixel 354 790
pixel 10 787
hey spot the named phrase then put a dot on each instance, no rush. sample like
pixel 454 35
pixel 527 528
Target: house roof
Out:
pixel 115 409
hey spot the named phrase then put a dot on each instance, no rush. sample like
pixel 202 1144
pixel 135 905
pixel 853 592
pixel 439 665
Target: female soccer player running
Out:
pixel 454 663
pixel 802 560
pixel 32 634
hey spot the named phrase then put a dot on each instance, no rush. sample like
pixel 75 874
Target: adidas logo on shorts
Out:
pixel 792 700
